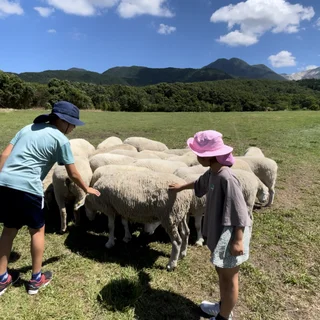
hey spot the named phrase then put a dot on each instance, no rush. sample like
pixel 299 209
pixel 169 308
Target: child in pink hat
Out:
pixel 227 223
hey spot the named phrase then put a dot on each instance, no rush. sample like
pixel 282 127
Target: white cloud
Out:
pixel 82 7
pixel 236 38
pixel 311 67
pixel 52 31
pixel 255 17
pixel 132 8
pixel 282 59
pixel 44 11
pixel 165 29
pixel 8 7
pixel 317 24
pixel 126 8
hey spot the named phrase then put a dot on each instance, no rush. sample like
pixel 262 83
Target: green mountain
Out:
pixel 72 75
pixel 141 76
pixel 240 69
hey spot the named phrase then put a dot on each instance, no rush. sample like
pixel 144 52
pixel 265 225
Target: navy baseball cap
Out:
pixel 65 111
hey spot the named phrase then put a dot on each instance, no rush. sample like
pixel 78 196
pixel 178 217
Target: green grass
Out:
pixel 280 281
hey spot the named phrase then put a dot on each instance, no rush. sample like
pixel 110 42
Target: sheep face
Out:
pixel 263 195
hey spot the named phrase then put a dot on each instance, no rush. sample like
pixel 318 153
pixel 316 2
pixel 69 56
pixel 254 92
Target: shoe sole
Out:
pixel 13 282
pixel 33 292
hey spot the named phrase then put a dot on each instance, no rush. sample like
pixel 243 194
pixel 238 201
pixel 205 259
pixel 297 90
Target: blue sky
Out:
pixel 96 35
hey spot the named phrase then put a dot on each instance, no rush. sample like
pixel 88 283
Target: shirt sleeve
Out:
pixel 16 138
pixel 235 212
pixel 65 155
pixel 201 185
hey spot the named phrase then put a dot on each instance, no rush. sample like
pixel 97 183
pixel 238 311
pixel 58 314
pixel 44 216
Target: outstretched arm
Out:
pixel 75 176
pixel 179 187
pixel 5 154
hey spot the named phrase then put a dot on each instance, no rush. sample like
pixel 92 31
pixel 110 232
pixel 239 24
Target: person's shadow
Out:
pixel 148 303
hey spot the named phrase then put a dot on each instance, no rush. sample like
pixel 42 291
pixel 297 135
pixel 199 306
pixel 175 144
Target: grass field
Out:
pixel 280 281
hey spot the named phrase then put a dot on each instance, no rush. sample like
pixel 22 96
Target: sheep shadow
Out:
pixel 148 303
pixel 136 253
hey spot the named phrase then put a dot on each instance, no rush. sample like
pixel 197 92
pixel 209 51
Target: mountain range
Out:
pixel 140 76
pixel 307 74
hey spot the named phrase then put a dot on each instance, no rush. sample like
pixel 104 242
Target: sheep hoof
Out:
pixel 199 243
pixel 109 245
pixel 171 267
pixel 126 239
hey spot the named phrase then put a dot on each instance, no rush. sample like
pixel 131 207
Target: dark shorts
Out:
pixel 19 208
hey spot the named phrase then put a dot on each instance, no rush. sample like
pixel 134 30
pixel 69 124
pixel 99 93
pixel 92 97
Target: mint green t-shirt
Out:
pixel 36 148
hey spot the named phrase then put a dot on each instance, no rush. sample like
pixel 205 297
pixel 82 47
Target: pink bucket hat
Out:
pixel 209 143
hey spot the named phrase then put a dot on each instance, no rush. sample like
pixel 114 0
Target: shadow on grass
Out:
pixel 136 253
pixel 122 294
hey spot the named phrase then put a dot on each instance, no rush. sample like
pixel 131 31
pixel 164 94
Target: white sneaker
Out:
pixel 212 309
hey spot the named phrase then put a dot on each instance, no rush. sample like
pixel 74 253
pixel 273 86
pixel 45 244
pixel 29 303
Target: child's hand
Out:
pixel 175 187
pixel 93 191
pixel 236 248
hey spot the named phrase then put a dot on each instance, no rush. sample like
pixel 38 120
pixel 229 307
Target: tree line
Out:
pixel 222 95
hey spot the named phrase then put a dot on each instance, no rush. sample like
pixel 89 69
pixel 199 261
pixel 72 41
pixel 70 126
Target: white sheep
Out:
pixel 145 144
pixel 266 170
pixel 99 172
pixel 178 152
pixel 103 159
pixel 159 154
pixel 81 148
pixel 159 165
pixel 253 152
pixel 184 172
pixel 109 142
pixel 241 164
pixel 190 159
pixel 135 154
pixel 65 190
pixel 144 197
pixel 252 187
pixel 115 147
pixel 48 188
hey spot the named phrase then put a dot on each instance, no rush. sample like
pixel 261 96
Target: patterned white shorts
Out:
pixel 222 258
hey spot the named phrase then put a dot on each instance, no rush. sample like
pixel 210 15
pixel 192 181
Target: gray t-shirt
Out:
pixel 225 205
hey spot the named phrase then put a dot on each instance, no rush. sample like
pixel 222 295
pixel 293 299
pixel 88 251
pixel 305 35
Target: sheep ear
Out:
pixel 79 204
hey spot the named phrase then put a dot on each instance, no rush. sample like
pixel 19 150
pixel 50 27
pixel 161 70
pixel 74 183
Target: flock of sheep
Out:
pixel 133 177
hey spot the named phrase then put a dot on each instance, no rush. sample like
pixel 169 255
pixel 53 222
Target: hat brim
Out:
pixel 45 117
pixel 215 153
pixel 71 120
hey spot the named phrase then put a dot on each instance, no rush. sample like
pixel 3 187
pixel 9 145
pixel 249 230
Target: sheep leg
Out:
pixel 127 235
pixel 197 223
pixel 271 196
pixel 111 241
pixel 176 241
pixel 63 213
pixel 184 232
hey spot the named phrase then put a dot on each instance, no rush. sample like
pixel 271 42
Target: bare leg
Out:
pixel 37 248
pixel 229 288
pixel 6 240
